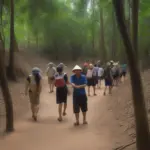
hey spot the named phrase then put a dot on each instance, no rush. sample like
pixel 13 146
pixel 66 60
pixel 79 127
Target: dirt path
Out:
pixel 100 134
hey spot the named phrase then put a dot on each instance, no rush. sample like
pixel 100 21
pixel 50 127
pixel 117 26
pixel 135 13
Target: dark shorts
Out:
pixel 123 74
pixel 91 82
pixel 80 102
pixel 108 82
pixel 116 76
pixel 61 95
pixel 100 78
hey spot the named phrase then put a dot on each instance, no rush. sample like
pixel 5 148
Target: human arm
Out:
pixel 27 86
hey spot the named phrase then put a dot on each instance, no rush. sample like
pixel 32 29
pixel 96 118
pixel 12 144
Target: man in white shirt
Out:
pixel 100 76
pixel 51 70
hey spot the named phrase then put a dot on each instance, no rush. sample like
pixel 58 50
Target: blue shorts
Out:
pixel 108 82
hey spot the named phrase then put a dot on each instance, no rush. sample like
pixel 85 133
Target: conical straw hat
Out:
pixel 76 68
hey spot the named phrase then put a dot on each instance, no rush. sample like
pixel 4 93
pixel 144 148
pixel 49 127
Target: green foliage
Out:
pixel 58 27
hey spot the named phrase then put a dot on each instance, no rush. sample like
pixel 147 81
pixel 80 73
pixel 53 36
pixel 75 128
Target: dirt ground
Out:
pixel 107 126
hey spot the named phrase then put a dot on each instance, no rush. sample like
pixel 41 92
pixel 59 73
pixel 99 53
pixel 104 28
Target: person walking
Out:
pixel 100 76
pixel 79 83
pixel 108 78
pixel 50 71
pixel 61 81
pixel 33 88
pixel 123 71
pixel 91 80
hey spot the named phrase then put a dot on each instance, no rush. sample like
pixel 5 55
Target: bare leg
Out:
pixel 110 89
pixel 52 86
pixel 84 118
pixel 60 112
pixel 65 107
pixel 94 89
pixel 105 90
pixel 32 109
pixel 77 118
pixel 88 90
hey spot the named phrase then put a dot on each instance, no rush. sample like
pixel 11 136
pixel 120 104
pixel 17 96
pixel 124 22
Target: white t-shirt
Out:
pixel 100 72
pixel 51 71
pixel 89 73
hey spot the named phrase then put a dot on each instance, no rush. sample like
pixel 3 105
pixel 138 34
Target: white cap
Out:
pixel 76 68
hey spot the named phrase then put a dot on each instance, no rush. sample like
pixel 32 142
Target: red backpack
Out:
pixel 59 80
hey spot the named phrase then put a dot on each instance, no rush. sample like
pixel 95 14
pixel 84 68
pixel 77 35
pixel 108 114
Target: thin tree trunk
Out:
pixel 11 67
pixel 93 26
pixel 114 34
pixel 6 93
pixel 142 128
pixel 102 38
pixel 16 48
pixel 135 9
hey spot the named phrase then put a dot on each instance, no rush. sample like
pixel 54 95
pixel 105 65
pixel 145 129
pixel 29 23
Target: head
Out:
pixel 77 70
pixel 59 69
pixel 108 64
pixel 91 66
pixel 36 73
pixel 50 64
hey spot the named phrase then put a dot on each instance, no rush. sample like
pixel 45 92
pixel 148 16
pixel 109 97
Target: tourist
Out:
pixel 108 78
pixel 100 75
pixel 91 81
pixel 79 82
pixel 61 81
pixel 123 71
pixel 33 88
pixel 51 70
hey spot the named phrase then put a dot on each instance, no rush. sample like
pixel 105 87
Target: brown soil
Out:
pixel 110 118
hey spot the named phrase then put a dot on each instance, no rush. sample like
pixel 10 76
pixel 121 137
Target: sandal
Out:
pixel 76 124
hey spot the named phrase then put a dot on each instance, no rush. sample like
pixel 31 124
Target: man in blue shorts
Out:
pixel 108 78
pixel 79 83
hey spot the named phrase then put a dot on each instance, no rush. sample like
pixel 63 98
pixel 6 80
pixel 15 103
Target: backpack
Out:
pixel 107 73
pixel 95 72
pixel 51 71
pixel 59 80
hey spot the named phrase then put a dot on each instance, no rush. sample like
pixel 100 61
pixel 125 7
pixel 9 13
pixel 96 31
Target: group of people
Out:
pixel 111 72
pixel 90 75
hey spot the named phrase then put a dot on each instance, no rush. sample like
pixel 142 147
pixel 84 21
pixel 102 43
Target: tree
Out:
pixel 135 10
pixel 11 67
pixel 102 36
pixel 142 128
pixel 6 93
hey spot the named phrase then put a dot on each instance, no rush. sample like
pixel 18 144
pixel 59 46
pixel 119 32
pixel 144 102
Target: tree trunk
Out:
pixel 11 67
pixel 102 38
pixel 114 38
pixel 6 93
pixel 142 128
pixel 93 26
pixel 16 48
pixel 135 9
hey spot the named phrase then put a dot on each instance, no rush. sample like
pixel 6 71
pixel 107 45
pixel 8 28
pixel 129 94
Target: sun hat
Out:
pixel 51 64
pixel 62 65
pixel 36 70
pixel 77 68
pixel 108 63
pixel 91 66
